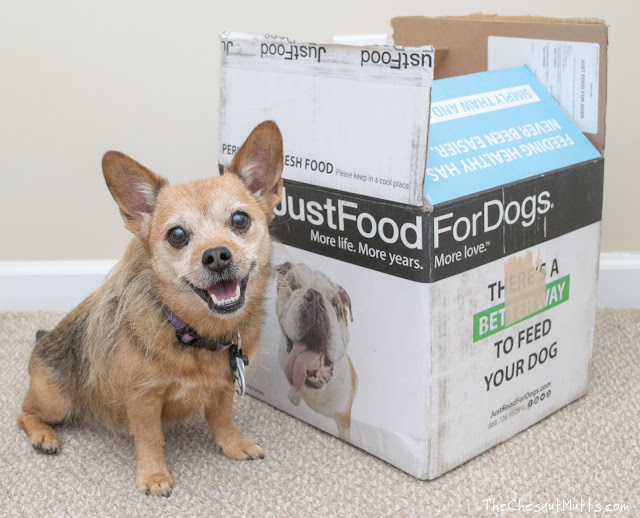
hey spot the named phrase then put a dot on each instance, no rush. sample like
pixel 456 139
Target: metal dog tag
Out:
pixel 238 379
pixel 238 362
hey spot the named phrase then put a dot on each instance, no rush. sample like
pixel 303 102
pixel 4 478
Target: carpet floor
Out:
pixel 582 459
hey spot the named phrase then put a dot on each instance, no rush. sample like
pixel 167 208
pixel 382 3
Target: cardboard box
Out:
pixel 429 323
pixel 568 56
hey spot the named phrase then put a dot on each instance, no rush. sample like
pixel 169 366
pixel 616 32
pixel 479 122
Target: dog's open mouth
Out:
pixel 224 296
pixel 307 367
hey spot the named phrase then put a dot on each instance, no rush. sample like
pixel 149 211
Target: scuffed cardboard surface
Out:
pixel 525 287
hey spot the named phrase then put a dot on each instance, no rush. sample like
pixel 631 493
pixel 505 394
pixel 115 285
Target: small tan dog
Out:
pixel 149 345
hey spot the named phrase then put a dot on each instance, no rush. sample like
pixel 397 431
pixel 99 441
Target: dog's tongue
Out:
pixel 300 360
pixel 224 289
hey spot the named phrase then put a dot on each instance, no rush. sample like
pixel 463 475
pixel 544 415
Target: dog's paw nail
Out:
pixel 158 484
pixel 238 447
pixel 261 456
pixel 47 450
pixel 166 494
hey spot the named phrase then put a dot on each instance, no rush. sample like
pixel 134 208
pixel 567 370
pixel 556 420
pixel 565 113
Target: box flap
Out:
pixel 569 56
pixel 494 128
pixel 353 118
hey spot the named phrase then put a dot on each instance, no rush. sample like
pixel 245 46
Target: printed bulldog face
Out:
pixel 313 313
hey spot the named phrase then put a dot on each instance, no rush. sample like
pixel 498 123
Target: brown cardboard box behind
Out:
pixel 461 44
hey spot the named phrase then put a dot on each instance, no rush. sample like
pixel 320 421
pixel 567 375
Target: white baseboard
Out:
pixel 49 285
pixel 619 283
pixel 61 285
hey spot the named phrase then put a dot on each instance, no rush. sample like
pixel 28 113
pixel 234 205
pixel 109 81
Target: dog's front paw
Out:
pixel 46 442
pixel 238 447
pixel 154 484
pixel 43 438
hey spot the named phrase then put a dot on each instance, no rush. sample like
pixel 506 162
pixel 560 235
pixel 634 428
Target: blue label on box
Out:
pixel 494 128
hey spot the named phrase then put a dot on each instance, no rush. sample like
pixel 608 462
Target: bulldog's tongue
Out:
pixel 299 362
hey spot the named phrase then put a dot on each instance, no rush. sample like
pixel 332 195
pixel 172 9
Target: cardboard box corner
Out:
pixel 461 44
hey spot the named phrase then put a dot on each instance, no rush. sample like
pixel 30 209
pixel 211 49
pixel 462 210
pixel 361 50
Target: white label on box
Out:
pixel 482 103
pixel 567 69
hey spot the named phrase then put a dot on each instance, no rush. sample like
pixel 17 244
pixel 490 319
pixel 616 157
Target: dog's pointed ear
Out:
pixel 346 302
pixel 258 163
pixel 134 188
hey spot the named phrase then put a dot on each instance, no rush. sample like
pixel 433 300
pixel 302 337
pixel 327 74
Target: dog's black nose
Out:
pixel 217 259
pixel 314 296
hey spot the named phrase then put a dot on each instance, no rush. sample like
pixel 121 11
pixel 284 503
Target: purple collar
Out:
pixel 187 336
pixel 237 359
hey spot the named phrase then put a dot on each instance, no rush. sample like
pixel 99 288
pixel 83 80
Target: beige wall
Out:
pixel 80 77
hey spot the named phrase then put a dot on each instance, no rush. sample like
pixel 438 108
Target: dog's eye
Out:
pixel 240 220
pixel 178 237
